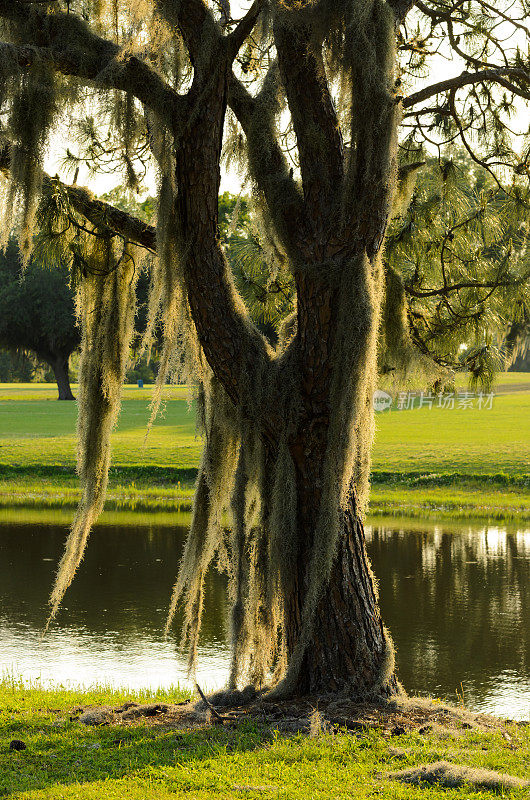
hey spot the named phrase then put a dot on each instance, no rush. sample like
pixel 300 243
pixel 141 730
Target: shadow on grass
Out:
pixel 67 753
pixel 160 476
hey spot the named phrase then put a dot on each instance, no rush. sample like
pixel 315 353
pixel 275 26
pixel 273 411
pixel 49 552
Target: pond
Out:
pixel 455 598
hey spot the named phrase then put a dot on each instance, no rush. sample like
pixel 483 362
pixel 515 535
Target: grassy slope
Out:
pixel 465 447
pixel 66 760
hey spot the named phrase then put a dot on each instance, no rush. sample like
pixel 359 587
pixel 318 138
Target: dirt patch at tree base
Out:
pixel 305 714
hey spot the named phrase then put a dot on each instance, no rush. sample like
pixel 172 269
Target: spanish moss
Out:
pixel 106 306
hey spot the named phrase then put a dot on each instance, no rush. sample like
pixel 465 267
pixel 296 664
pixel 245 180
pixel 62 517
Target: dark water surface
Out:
pixel 456 600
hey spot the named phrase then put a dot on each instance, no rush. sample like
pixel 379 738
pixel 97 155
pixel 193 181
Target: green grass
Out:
pixel 64 759
pixel 452 463
pixel 466 441
pixel 35 429
pixel 470 499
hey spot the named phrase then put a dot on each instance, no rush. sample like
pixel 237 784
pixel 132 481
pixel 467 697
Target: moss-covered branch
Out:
pixel 65 43
pixel 100 214
pixel 198 27
pixel 313 115
pixel 244 28
pixel 267 162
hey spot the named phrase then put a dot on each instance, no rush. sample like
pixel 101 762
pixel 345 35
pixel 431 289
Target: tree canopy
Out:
pixel 37 314
pixel 458 256
pixel 327 108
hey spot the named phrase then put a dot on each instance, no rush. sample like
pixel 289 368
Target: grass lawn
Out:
pixel 35 429
pixel 435 461
pixel 467 441
pixel 64 759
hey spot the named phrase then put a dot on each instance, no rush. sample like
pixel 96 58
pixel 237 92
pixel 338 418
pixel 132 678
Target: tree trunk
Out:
pixel 350 650
pixel 60 370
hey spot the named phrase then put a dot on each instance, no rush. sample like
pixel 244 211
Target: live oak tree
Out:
pixel 312 97
pixel 37 314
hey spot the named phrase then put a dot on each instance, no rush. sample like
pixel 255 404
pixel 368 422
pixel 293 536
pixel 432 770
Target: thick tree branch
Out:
pixel 314 119
pixel 401 8
pixel 496 75
pixel 244 28
pixel 197 26
pixel 224 331
pixel 105 215
pixel 267 161
pixel 95 211
pixel 69 46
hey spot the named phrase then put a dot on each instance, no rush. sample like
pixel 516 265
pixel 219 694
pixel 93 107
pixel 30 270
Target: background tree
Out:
pixel 37 314
pixel 16 367
pixel 318 94
pixel 517 343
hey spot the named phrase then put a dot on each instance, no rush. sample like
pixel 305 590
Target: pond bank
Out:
pixel 451 495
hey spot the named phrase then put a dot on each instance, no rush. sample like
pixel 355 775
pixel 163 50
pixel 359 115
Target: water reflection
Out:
pixel 110 627
pixel 456 601
pixel 458 606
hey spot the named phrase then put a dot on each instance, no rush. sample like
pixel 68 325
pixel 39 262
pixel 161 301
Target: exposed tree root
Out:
pixel 390 718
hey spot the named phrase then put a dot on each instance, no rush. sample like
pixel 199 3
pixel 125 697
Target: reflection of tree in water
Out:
pixel 458 605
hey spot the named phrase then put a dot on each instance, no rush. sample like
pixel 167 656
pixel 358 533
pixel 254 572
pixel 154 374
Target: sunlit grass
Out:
pixel 464 449
pixel 17 695
pixel 64 759
pixel 466 440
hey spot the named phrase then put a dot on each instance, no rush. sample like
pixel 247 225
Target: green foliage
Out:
pixel 16 367
pixel 457 269
pixel 143 371
pixel 121 197
pixel 268 293
pixel 37 313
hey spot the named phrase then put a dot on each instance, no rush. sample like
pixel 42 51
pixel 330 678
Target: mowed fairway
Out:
pixel 467 440
pixel 36 429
